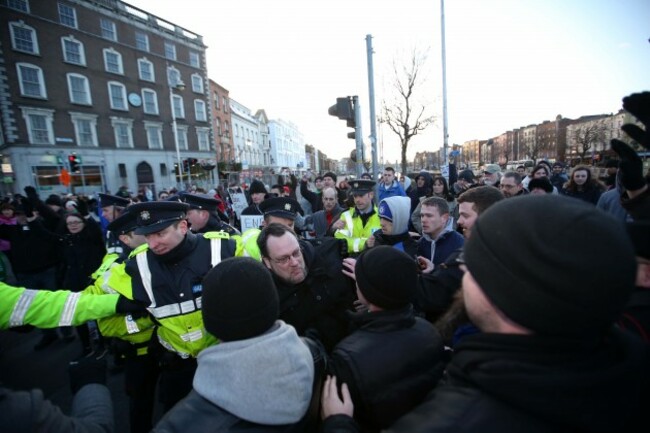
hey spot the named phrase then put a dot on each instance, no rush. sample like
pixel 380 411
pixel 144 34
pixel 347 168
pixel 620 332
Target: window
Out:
pixel 85 128
pixel 197 83
pixel 170 51
pixel 145 70
pixel 173 76
pixel 226 129
pixel 67 15
pixel 113 61
pixel 117 95
pixel 73 51
pixel 199 110
pixel 225 104
pixel 182 137
pixel 216 100
pixel 30 80
pixel 79 89
pixel 203 137
pixel 149 101
pixel 19 5
pixel 108 29
pixel 179 110
pixel 39 123
pixel 23 38
pixel 218 124
pixel 142 41
pixel 195 59
pixel 123 130
pixel 154 134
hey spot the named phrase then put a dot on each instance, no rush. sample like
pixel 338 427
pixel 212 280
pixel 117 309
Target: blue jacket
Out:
pixel 395 189
pixel 439 249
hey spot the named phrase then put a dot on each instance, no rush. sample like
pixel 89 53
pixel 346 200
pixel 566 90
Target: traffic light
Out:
pixel 186 165
pixel 74 160
pixel 343 109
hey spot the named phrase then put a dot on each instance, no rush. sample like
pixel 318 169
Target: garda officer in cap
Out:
pixel 356 225
pixel 203 214
pixel 281 210
pixel 130 333
pixel 166 274
pixel 112 207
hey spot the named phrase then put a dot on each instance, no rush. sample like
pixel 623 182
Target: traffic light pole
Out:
pixel 373 117
pixel 358 136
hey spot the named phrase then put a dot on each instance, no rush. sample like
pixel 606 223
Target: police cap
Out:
pixel 362 186
pixel 283 207
pixel 112 200
pixel 200 201
pixel 154 216
pixel 125 223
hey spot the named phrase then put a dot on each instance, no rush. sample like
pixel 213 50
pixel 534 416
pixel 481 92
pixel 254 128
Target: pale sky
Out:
pixel 510 63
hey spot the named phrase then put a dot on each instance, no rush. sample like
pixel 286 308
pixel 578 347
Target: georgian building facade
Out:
pixel 104 82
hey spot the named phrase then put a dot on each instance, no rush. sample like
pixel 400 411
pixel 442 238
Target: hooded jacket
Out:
pixel 395 189
pixel 437 250
pixel 258 384
pixel 399 238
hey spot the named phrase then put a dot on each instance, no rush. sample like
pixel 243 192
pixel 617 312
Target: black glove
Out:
pixel 82 207
pixel 32 195
pixel 638 104
pixel 631 166
pixel 128 306
pixel 85 371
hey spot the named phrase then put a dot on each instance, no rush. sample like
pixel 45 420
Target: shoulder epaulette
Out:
pixel 216 235
pixel 138 250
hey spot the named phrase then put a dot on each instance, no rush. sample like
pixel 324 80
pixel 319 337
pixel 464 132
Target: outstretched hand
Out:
pixel 331 403
pixel 638 104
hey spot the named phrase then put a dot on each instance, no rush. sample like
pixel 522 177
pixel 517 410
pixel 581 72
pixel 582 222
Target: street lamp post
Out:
pixel 178 86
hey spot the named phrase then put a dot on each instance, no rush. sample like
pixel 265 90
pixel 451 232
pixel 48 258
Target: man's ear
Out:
pixel 643 275
pixel 266 262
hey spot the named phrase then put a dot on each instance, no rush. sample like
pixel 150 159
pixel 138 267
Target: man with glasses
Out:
pixel 314 295
pixel 511 186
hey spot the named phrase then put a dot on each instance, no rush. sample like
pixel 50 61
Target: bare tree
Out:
pixel 403 115
pixel 586 138
pixel 534 148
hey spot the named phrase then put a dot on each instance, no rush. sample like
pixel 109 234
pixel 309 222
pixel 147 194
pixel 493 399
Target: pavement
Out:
pixel 23 368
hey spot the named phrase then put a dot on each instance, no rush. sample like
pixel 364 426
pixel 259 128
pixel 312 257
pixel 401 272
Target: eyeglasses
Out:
pixel 284 260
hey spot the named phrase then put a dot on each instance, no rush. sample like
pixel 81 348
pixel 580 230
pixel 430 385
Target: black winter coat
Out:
pixel 533 384
pixel 390 364
pixel 30 251
pixel 317 307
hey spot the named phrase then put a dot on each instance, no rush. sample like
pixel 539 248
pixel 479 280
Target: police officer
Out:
pixel 112 207
pixel 280 210
pixel 166 274
pixel 131 333
pixel 356 225
pixel 203 214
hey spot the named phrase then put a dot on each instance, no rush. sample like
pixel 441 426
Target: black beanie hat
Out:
pixel 257 187
pixel 54 200
pixel 553 264
pixel 239 299
pixel 386 277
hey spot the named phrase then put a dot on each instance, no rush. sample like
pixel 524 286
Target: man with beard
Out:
pixel 314 293
pixel 491 175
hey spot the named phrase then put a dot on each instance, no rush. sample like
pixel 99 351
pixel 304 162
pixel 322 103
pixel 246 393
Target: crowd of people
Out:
pixel 495 301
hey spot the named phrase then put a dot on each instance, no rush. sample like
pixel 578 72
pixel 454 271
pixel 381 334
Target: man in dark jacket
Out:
pixel 314 294
pixel 548 358
pixel 331 211
pixel 386 384
pixel 260 376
